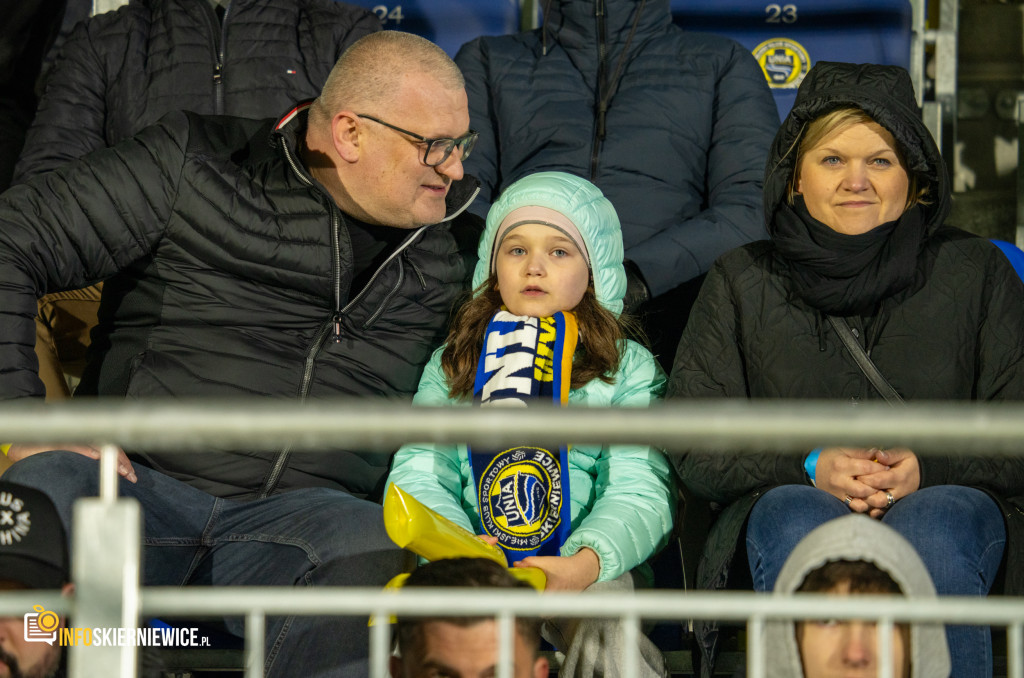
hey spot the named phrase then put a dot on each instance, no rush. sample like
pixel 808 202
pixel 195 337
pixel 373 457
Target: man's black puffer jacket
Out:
pixel 954 334
pixel 121 71
pixel 233 285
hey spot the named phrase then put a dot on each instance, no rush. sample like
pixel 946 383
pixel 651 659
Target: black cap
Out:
pixel 33 550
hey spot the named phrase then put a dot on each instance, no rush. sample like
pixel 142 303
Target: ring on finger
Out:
pixel 848 500
pixel 889 500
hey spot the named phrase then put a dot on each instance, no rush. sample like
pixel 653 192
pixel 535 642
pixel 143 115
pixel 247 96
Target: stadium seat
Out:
pixel 787 38
pixel 1014 254
pixel 449 23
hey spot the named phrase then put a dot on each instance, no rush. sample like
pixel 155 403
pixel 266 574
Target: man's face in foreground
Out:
pixel 848 649
pixel 22 659
pixel 452 651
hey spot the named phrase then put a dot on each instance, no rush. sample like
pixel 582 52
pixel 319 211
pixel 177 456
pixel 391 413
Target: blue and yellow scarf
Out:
pixel 523 492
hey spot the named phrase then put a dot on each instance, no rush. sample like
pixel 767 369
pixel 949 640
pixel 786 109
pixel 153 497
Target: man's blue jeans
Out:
pixel 957 531
pixel 309 537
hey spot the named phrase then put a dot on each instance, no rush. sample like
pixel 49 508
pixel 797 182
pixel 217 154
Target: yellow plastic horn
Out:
pixel 428 534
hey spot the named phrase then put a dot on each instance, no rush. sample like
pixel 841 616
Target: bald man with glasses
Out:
pixel 307 257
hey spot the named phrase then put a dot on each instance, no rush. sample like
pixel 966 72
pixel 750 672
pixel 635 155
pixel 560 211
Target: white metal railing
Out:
pixel 729 426
pixel 106 549
pixel 660 605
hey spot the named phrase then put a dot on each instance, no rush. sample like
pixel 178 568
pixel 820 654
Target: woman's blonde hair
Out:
pixel 834 122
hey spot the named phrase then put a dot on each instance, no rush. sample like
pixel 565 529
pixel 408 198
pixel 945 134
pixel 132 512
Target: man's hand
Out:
pixel 566 573
pixel 124 467
pixel 840 472
pixel 899 475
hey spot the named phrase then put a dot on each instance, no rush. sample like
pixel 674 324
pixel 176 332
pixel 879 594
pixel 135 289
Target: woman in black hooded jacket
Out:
pixel 856 197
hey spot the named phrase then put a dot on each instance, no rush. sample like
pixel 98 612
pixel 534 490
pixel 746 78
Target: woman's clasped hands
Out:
pixel 868 480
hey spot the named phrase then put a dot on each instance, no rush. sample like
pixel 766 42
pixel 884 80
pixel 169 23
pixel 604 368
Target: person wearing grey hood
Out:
pixel 852 555
pixel 864 292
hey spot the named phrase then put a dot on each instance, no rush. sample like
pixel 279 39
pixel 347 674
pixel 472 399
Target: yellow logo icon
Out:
pixel 41 625
pixel 785 62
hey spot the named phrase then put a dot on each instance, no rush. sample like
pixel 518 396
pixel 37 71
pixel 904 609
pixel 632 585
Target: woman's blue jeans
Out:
pixel 958 532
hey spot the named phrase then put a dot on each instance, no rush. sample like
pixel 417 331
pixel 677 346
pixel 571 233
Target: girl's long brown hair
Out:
pixel 602 338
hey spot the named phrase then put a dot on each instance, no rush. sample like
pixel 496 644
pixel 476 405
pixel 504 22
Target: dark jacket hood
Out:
pixel 886 93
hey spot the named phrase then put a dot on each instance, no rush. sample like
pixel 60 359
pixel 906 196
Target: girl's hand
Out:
pixel 493 541
pixel 124 467
pixel 840 472
pixel 899 475
pixel 566 573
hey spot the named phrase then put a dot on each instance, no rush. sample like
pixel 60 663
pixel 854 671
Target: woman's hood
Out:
pixel 857 537
pixel 886 93
pixel 585 205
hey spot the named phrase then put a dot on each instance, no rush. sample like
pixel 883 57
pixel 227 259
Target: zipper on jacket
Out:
pixel 218 31
pixel 600 105
pixel 281 460
pixel 606 88
pixel 335 239
pixel 387 299
pixel 336 266
pixel 400 252
pixel 416 270
pixel 218 76
pixel 334 323
pixel 218 87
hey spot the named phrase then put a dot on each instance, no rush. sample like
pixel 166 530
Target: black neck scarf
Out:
pixel 843 274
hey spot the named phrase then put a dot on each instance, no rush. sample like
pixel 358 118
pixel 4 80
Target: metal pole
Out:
pixel 255 632
pixel 506 630
pixel 380 644
pixel 1015 650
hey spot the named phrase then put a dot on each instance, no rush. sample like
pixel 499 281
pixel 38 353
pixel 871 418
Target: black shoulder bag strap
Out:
pixel 864 362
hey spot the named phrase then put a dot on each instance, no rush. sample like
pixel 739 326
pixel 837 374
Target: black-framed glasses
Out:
pixel 439 149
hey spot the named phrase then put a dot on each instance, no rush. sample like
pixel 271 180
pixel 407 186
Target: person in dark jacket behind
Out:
pixel 27 30
pixel 312 256
pixel 120 71
pixel 672 126
pixel 856 198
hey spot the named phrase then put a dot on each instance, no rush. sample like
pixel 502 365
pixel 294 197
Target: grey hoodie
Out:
pixel 857 537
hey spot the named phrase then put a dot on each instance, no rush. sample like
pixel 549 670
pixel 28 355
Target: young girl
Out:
pixel 542 329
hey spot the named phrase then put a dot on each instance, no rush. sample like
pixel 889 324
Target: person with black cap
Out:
pixel 862 293
pixel 32 556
